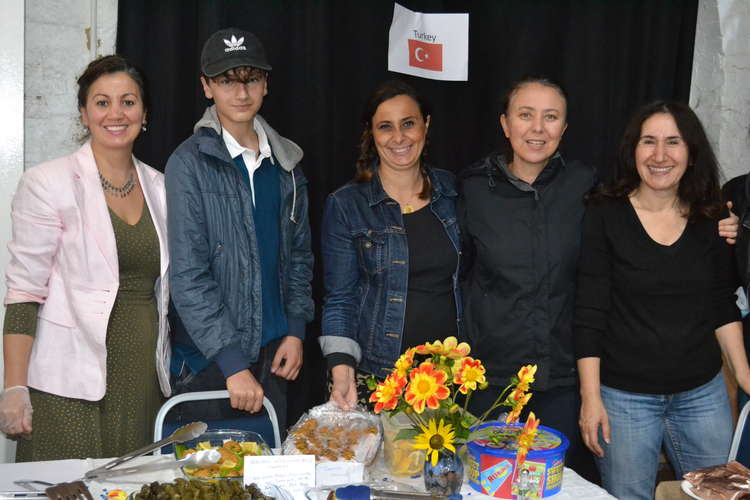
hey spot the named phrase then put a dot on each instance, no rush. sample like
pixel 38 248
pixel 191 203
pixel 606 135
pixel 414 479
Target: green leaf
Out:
pixel 409 433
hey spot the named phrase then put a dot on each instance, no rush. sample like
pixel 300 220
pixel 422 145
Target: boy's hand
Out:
pixel 245 393
pixel 288 360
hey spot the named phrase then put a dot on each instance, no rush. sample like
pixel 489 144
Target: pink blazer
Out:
pixel 63 255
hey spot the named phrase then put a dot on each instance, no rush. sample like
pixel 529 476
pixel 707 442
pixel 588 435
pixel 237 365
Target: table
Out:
pixel 574 486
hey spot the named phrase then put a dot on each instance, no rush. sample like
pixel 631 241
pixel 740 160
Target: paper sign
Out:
pixel 334 473
pixel 294 473
pixel 429 45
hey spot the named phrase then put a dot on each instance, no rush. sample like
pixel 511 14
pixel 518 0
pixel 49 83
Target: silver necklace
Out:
pixel 119 191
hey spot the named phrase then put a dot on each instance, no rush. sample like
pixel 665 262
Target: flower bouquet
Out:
pixel 432 385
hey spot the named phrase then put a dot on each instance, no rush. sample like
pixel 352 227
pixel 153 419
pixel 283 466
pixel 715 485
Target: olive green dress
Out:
pixel 123 420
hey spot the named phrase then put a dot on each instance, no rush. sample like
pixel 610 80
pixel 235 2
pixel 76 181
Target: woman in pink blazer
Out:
pixel 85 333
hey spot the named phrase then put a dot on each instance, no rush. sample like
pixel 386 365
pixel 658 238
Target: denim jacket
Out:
pixel 366 269
pixel 215 279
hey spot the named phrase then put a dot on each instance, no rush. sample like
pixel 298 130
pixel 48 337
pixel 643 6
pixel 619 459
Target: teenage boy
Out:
pixel 239 240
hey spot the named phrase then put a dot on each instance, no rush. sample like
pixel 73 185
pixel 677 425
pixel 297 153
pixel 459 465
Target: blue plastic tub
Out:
pixel 491 471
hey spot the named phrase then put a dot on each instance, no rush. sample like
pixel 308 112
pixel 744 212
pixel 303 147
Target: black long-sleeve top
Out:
pixel 650 311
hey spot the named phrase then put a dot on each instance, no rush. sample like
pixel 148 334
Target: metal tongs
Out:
pixel 184 433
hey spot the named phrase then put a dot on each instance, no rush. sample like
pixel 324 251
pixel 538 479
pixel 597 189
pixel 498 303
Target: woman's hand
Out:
pixel 344 390
pixel 729 227
pixel 593 415
pixel 15 411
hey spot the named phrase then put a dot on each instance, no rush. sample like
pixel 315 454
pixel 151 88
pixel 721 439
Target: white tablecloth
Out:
pixel 574 486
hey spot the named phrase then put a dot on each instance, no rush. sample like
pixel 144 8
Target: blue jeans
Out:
pixel 695 427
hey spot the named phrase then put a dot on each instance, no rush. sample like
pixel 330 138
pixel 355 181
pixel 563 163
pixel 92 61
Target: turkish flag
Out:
pixel 426 55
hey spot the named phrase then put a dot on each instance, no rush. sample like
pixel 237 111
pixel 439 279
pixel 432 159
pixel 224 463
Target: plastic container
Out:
pixel 491 468
pixel 231 466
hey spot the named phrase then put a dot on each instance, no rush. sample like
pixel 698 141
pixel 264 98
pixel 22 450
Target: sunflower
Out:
pixel 434 439
pixel 387 392
pixel 426 387
pixel 469 374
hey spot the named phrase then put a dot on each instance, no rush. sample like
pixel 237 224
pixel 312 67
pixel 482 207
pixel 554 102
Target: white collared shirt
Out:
pixel 251 159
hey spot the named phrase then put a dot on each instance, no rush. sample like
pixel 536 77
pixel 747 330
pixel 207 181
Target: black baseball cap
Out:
pixel 231 48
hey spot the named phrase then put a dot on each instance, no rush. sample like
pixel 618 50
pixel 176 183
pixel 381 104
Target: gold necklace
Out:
pixel 408 207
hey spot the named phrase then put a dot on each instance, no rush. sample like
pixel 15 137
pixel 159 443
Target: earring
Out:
pixel 143 127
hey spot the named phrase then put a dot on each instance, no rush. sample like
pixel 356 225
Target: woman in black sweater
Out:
pixel 655 308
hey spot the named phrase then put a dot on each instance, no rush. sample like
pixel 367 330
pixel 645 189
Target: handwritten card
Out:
pixel 333 473
pixel 294 473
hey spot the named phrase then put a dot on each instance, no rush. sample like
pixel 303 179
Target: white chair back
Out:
pixel 206 395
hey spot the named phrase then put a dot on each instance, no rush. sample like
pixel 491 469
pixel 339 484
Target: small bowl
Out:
pixel 217 438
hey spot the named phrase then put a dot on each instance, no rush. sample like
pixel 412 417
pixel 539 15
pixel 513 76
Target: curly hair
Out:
pixel 367 152
pixel 699 186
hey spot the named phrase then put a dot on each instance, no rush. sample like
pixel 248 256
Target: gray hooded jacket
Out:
pixel 215 272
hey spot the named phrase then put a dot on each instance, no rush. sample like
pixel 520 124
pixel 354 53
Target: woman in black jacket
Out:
pixel 521 213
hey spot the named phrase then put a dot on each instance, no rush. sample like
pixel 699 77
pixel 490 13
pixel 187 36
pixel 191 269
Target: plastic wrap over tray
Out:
pixel 333 434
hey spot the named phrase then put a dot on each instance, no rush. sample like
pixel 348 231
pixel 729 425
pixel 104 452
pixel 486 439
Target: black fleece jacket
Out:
pixel 521 248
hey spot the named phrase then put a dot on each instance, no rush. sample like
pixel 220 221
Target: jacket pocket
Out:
pixel 371 246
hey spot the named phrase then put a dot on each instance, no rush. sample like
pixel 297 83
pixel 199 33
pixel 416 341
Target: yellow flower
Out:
pixel 404 362
pixel 469 374
pixel 426 387
pixel 525 377
pixel 434 439
pixel 449 348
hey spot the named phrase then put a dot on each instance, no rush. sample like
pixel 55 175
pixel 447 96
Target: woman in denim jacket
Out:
pixel 390 248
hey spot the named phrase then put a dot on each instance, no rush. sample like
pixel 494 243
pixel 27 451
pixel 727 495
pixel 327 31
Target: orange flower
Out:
pixel 526 438
pixel 518 405
pixel 386 394
pixel 404 362
pixel 426 387
pixel 449 348
pixel 525 377
pixel 469 374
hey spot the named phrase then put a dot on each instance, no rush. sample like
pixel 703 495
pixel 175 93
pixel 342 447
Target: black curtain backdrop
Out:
pixel 327 55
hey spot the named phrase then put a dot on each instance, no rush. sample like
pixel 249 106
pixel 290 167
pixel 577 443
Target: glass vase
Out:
pixel 446 477
pixel 399 455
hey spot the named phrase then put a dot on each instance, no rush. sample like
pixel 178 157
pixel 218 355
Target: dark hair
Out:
pixel 241 74
pixel 699 185
pixel 367 152
pixel 106 65
pixel 505 147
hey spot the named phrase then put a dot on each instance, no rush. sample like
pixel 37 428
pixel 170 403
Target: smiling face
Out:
pixel 399 131
pixel 534 124
pixel 114 112
pixel 238 95
pixel 661 155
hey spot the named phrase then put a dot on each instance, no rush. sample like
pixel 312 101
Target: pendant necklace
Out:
pixel 119 191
